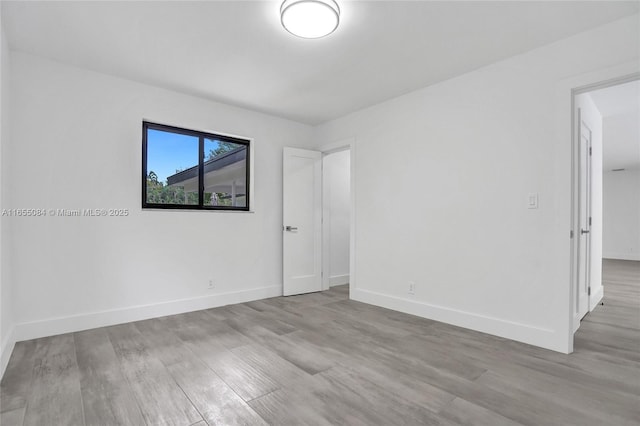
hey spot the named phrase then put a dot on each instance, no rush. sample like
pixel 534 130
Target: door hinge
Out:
pixel 589 220
pixel 589 291
pixel 571 234
pixel 590 151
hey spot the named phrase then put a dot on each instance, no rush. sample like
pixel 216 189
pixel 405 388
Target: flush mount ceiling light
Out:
pixel 310 18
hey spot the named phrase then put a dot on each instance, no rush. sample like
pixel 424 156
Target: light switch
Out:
pixel 532 200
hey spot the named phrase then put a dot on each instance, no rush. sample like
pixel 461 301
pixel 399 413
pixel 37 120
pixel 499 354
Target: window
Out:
pixel 186 169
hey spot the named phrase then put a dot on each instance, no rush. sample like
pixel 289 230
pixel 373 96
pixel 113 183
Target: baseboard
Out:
pixel 595 298
pixel 576 323
pixel 537 336
pixel 338 280
pixel 6 348
pixel 621 256
pixel 86 321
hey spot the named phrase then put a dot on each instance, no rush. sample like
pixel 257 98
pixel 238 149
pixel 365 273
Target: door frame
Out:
pixel 588 194
pixel 348 144
pixel 586 83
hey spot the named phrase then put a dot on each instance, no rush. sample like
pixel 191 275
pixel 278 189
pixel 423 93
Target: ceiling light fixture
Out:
pixel 310 18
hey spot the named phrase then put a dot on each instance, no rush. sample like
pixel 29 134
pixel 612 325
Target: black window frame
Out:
pixel 146 125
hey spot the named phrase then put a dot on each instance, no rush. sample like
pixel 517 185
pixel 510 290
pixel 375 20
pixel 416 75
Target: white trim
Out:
pixel 86 321
pixel 576 323
pixel 326 230
pixel 595 298
pixel 6 349
pixel 621 256
pixel 338 280
pixel 337 146
pixel 352 224
pixel 533 335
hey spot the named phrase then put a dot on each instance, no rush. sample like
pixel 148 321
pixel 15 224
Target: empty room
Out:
pixel 320 212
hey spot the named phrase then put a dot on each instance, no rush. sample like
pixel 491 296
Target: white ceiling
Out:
pixel 620 109
pixel 238 53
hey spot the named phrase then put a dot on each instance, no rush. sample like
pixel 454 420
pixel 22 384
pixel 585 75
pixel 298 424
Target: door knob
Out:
pixel 584 231
pixel 290 228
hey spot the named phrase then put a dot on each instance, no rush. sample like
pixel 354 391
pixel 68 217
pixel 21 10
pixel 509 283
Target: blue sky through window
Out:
pixel 168 152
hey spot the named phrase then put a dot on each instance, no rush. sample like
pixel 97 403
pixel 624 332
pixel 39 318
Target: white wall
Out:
pixel 621 239
pixel 460 158
pixel 621 134
pixel 336 176
pixel 6 307
pixel 77 144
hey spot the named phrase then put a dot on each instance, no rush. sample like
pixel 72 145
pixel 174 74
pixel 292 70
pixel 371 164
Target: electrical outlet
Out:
pixel 412 288
pixel 210 284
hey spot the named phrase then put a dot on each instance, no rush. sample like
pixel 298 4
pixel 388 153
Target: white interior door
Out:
pixel 584 237
pixel 302 221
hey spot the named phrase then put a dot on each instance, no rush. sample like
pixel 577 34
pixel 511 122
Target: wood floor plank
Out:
pixel 329 398
pixel 55 396
pixel 415 391
pixel 462 412
pixel 12 417
pixel 161 400
pixel 162 342
pixel 366 313
pixel 280 370
pixel 214 399
pixel 264 319
pixel 576 395
pixel 288 408
pixel 392 361
pixel 602 372
pixel 252 330
pixel 548 406
pixel 303 355
pixel 204 321
pixel 275 325
pixel 16 383
pixel 505 404
pixel 247 381
pixel 239 310
pixel 619 338
pixel 374 401
pixel 439 356
pixel 622 316
pixel 107 397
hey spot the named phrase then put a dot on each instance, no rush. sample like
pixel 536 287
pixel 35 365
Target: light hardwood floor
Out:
pixel 320 359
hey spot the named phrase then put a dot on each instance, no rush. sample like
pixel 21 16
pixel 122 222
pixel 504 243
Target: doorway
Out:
pixel 336 223
pixel 606 141
pixel 318 218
